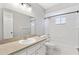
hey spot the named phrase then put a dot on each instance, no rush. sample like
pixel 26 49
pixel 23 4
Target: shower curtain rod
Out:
pixel 63 14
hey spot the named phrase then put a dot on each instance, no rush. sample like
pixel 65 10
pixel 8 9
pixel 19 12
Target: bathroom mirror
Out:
pixel 15 24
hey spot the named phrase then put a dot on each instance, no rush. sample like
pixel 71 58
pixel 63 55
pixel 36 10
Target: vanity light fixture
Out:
pixel 26 6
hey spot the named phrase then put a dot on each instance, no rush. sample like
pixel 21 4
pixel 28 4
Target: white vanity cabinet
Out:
pixel 41 51
pixel 36 49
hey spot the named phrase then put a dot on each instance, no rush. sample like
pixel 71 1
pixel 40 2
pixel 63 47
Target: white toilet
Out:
pixel 52 49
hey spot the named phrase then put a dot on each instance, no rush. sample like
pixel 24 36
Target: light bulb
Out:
pixel 24 5
pixel 29 9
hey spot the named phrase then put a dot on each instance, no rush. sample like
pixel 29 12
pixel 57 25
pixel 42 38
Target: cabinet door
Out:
pixel 41 51
pixel 32 49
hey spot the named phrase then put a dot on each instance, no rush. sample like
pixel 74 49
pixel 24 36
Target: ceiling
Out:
pixel 56 6
pixel 47 5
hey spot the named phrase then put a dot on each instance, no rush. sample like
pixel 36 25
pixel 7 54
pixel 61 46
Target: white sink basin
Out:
pixel 44 36
pixel 27 41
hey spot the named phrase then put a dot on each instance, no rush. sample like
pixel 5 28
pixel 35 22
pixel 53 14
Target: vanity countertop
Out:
pixel 11 47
